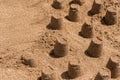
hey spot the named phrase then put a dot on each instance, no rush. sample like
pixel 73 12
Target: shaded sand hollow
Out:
pixel 59 39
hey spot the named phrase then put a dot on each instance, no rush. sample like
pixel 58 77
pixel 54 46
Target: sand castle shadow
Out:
pixel 64 75
pixel 87 54
pixel 48 26
pixel 39 78
pixel 52 54
pixel 89 13
pixel 103 22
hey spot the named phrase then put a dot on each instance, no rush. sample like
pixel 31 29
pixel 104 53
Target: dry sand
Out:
pixel 26 42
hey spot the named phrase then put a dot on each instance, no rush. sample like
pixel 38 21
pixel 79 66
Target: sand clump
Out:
pixel 29 60
pixel 49 76
pixel 57 5
pixel 103 74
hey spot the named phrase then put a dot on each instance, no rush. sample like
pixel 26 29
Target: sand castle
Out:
pixel 61 48
pixel 56 23
pixel 111 16
pixel 95 48
pixel 114 66
pixel 87 30
pixel 73 15
pixel 96 7
pixel 74 70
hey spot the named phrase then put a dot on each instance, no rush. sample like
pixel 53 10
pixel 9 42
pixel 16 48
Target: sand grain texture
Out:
pixel 24 29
